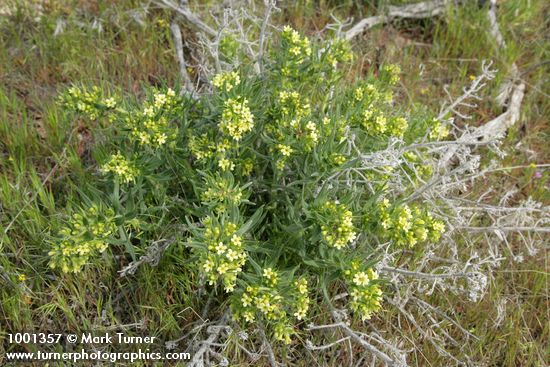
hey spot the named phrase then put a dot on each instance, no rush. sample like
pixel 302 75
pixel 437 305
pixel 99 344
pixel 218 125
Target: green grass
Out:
pixel 43 154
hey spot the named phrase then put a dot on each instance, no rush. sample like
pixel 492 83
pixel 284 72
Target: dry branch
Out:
pixel 178 44
pixel 152 257
pixel 351 334
pixel 513 90
pixel 214 331
pixel 425 9
pixel 188 15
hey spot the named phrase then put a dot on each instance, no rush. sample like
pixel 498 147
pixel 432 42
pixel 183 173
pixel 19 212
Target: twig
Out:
pixel 363 25
pixel 178 43
pixel 270 354
pixel 425 275
pixel 153 255
pixel 420 10
pixel 427 337
pixel 444 315
pixel 354 336
pixel 198 357
pixel 513 90
pixel 188 15
pixel 310 346
pixel 504 229
pixel 270 5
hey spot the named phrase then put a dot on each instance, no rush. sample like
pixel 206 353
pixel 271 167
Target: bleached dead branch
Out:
pixel 270 6
pixel 359 338
pixel 152 257
pixel 178 43
pixel 422 275
pixel 183 9
pixel 512 93
pixel 214 332
pixel 269 348
pixel 470 93
pixel 425 9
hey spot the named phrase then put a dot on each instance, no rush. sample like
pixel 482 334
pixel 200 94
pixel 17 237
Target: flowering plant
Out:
pixel 268 174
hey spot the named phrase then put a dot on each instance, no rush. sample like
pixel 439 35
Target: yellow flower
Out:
pixel 373 275
pixel 232 255
pixel 399 126
pixel 438 226
pixel 246 300
pixel 358 93
pixel 208 266
pixel 225 164
pixel 223 268
pixel 248 316
pixel 340 230
pixel 236 240
pixel 226 81
pixel 393 71
pixel 361 279
pixel 110 103
pixel 301 284
pixel 220 248
pixel 121 167
pixel 285 150
pixel 161 138
pixel 149 111
pixel 237 119
pixel 229 288
pixel 160 100
pixel 247 167
pixel 270 275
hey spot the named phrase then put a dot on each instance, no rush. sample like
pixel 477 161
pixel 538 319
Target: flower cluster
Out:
pixel 406 225
pixel 87 102
pixel 236 118
pixel 337 227
pixel 150 126
pixel 337 159
pixel 229 46
pixel 370 94
pixel 292 127
pixel 123 169
pixel 226 81
pixel 221 252
pixel 364 290
pixel 302 299
pixel 376 123
pixel 339 51
pixel 297 48
pixel 202 147
pixel 274 302
pixel 393 72
pixel 152 133
pixel 438 130
pixel 371 103
pixel 221 192
pixel 86 234
pixel 291 105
